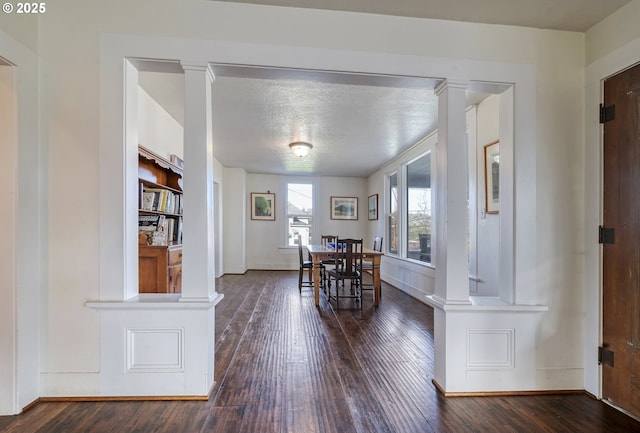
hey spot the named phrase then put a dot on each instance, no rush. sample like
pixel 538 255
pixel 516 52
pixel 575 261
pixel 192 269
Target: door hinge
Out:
pixel 605 356
pixel 607 113
pixel 606 235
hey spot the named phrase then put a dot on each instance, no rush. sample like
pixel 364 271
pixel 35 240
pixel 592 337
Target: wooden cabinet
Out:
pixel 160 268
pixel 159 264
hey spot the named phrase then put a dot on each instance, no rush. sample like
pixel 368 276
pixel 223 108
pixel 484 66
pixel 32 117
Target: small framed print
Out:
pixel 344 208
pixel 263 206
pixel 373 207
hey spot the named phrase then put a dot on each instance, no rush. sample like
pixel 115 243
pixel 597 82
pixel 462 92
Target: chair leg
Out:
pixel 300 281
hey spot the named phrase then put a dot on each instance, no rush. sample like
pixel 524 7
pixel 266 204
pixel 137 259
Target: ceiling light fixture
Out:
pixel 300 148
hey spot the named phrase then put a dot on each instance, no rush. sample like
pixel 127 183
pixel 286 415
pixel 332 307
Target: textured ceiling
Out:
pixel 355 123
pixel 353 128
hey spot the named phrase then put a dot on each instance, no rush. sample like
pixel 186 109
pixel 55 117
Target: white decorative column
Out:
pixel 198 281
pixel 482 344
pixel 451 258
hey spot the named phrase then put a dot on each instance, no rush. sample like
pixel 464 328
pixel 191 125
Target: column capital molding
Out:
pixel 451 84
pixel 196 66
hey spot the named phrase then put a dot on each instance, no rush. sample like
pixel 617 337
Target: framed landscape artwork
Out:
pixel 344 208
pixel 492 177
pixel 373 207
pixel 263 206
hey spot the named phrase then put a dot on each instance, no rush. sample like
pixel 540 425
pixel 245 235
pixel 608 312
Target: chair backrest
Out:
pixel 377 243
pixel 325 239
pixel 300 249
pixel 349 255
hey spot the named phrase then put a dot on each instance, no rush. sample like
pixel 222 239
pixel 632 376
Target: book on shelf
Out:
pixel 161 200
pixel 171 230
pixel 147 200
pixel 151 223
pixel 177 161
pixel 178 230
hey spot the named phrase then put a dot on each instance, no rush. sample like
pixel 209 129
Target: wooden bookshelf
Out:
pixel 160 211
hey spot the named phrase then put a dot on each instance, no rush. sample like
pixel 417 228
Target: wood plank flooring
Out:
pixel 285 366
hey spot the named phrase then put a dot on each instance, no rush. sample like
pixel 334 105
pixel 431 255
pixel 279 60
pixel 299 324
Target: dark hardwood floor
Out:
pixel 283 365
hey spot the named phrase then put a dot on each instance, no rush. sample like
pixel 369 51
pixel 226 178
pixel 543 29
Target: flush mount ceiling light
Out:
pixel 300 148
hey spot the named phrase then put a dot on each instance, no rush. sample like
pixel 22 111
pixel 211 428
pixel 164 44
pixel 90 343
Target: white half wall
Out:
pixel 167 349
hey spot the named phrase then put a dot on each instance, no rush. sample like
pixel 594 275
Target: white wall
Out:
pixel 157 130
pixel 375 185
pixel 344 187
pixel 271 251
pixel 488 225
pixel 613 33
pixel 234 197
pixel 22 28
pixel 612 45
pixel 8 260
pixel 73 34
pixel 23 214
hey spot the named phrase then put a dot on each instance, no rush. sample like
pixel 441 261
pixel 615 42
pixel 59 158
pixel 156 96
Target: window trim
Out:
pixel 426 146
pixel 405 238
pixel 387 213
pixel 285 208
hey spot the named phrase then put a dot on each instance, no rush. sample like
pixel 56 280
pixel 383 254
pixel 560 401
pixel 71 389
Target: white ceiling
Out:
pixel 574 15
pixel 355 123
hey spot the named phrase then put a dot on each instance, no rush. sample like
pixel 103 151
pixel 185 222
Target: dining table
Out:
pixel 319 253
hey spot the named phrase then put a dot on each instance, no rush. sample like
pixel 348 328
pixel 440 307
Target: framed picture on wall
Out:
pixel 492 176
pixel 373 207
pixel 344 208
pixel 263 206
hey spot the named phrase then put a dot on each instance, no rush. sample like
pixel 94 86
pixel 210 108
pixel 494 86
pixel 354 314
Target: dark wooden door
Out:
pixel 621 258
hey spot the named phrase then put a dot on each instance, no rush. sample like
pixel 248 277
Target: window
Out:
pixel 418 216
pixel 299 212
pixel 393 226
pixel 409 209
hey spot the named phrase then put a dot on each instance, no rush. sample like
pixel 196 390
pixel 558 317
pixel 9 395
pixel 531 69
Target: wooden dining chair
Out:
pixel 348 267
pixel 325 240
pixel 367 265
pixel 304 265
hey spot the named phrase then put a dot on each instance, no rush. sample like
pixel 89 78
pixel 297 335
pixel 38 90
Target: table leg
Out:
pixel 376 280
pixel 316 278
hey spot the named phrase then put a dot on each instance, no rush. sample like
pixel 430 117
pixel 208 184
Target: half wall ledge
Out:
pixel 484 303
pixel 152 301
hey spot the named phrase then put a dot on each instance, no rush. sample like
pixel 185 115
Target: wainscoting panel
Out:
pixel 490 349
pixel 155 350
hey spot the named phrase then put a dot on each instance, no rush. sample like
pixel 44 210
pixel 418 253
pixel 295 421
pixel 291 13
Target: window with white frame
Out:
pixel 418 210
pixel 393 226
pixel 299 212
pixel 409 209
